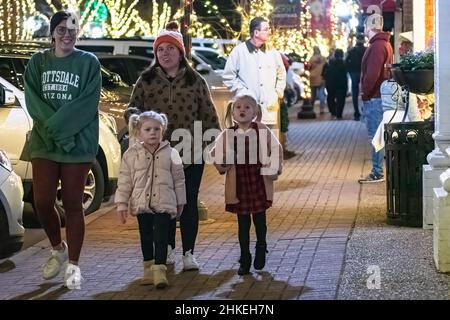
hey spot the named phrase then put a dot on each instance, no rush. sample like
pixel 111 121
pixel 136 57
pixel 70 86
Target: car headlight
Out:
pixel 4 161
pixel 109 121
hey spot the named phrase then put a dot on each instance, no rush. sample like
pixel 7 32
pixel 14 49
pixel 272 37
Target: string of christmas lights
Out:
pixel 13 24
pixel 124 20
pixel 159 18
pixel 122 14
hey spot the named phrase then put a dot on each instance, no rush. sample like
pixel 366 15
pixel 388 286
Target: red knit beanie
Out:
pixel 172 35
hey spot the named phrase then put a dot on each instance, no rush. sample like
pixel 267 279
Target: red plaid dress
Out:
pixel 251 191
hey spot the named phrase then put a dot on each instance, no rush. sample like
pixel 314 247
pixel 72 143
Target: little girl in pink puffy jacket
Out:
pixel 151 186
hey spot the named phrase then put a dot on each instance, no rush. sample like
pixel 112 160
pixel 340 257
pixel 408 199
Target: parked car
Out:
pixel 15 122
pixel 212 57
pixel 108 48
pixel 114 97
pixel 141 46
pixel 11 207
pixel 223 46
pixel 129 68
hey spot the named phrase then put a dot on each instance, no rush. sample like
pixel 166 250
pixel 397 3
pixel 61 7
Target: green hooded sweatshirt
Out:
pixel 62 96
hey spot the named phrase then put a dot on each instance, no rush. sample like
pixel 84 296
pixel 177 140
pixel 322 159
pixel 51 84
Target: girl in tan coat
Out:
pixel 251 156
pixel 151 186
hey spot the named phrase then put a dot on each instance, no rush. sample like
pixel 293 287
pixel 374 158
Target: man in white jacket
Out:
pixel 258 71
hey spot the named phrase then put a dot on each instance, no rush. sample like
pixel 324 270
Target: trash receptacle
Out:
pixel 407 146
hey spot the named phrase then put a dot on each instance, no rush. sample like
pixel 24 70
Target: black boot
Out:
pixel 245 263
pixel 260 256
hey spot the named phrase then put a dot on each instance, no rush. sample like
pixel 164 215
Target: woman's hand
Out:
pixel 123 214
pixel 180 209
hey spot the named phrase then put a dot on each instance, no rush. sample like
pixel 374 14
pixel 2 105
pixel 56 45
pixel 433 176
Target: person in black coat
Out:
pixel 335 75
pixel 353 63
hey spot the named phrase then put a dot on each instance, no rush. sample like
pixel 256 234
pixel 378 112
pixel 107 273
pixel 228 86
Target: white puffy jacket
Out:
pixel 151 182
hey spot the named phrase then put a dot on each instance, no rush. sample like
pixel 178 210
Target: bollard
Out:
pixel 307 111
pixel 202 214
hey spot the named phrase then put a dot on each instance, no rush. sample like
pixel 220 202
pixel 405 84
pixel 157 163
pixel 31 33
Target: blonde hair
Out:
pixel 229 121
pixel 136 120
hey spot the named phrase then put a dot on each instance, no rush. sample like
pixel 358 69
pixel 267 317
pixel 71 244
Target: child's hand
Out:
pixel 123 214
pixel 180 209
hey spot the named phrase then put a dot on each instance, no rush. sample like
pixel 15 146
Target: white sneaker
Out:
pixel 55 262
pixel 170 255
pixel 189 262
pixel 73 278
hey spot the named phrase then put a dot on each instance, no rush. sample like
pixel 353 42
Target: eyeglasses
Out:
pixel 62 31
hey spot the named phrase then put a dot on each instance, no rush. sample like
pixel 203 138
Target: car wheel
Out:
pixel 93 192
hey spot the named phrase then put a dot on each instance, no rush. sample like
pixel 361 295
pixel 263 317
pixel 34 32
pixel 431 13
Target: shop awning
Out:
pixel 384 5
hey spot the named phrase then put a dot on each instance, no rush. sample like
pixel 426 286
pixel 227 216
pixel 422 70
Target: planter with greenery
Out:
pixel 416 71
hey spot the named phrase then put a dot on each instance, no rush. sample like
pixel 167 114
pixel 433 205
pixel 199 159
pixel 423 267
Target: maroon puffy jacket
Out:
pixel 375 64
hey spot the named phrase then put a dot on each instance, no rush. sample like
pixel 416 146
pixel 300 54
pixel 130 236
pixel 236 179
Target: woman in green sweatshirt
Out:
pixel 62 91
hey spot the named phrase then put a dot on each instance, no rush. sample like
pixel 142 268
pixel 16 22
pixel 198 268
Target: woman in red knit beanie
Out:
pixel 171 86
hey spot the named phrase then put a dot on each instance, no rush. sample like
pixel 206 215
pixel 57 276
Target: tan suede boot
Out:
pixel 148 273
pixel 159 276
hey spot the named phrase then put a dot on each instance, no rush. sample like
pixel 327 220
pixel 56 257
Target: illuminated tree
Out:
pixel 258 8
pixel 88 11
pixel 203 29
pixel 93 14
pixel 160 15
pixel 14 17
pixel 213 28
pixel 122 14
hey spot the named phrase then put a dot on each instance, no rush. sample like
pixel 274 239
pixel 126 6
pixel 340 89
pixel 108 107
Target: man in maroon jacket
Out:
pixel 374 70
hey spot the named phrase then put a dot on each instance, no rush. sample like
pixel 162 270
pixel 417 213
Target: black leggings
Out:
pixel 154 230
pixel 46 175
pixel 244 223
pixel 189 217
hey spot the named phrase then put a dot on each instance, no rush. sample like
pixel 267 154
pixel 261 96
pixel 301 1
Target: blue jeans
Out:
pixel 373 114
pixel 318 92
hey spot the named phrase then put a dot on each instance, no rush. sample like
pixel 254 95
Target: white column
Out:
pixel 441 226
pixel 439 159
pixel 419 25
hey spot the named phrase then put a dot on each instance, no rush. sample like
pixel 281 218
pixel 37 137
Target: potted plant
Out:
pixel 416 71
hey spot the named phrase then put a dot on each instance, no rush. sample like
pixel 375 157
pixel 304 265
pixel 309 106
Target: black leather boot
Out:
pixel 260 256
pixel 245 263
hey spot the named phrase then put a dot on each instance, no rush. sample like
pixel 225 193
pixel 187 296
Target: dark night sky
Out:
pixel 226 8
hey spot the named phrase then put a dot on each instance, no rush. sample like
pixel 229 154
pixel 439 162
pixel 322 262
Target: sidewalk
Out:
pixel 316 204
pixel 403 256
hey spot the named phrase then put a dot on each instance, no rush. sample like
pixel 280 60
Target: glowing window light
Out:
pixel 97 32
pixel 343 10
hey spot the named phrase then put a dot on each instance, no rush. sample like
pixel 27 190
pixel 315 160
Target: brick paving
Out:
pixel 314 209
